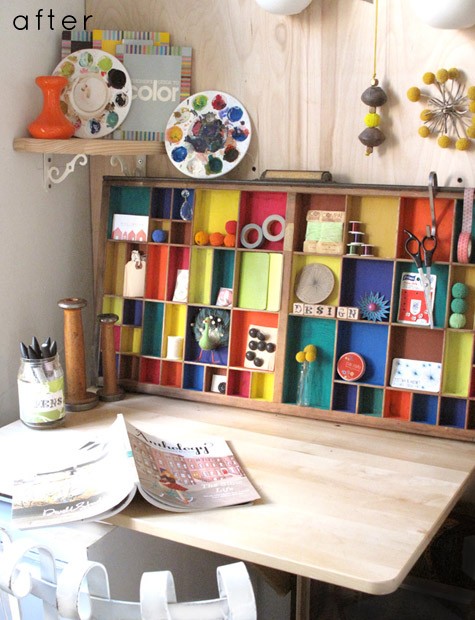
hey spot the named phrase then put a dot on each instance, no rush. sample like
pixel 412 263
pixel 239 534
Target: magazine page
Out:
pixel 90 480
pixel 188 475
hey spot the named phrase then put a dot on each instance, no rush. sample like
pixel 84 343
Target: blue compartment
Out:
pixel 363 276
pixel 161 206
pixel 152 329
pixel 344 397
pixel 132 312
pixel 193 377
pixel 424 409
pixel 452 412
pixel 369 340
pixel 178 200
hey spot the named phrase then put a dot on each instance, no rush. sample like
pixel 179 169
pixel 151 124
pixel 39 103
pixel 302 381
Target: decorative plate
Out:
pixel 99 92
pixel 208 134
pixel 314 284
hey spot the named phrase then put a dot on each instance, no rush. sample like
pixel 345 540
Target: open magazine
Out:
pixel 101 476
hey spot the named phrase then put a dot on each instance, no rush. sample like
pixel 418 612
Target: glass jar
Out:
pixel 41 392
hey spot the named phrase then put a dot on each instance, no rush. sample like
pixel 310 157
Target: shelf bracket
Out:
pixel 140 165
pixel 52 174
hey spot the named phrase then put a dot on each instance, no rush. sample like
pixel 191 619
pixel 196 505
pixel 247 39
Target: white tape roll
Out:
pixel 244 233
pixel 267 224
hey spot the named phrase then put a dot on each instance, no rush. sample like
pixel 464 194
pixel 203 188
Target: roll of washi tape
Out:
pixel 244 236
pixel 464 243
pixel 268 222
pixel 351 366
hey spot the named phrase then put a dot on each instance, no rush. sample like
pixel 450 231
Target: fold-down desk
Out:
pixel 348 505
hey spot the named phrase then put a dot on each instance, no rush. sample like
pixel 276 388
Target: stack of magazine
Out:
pixel 99 477
pixel 160 74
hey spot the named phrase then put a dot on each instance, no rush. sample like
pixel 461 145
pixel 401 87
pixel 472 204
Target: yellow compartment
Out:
pixel 130 339
pixel 214 208
pixel 379 221
pixel 262 386
pixel 116 258
pixel 457 364
pixel 174 324
pixel 113 305
pixel 201 271
pixel 332 262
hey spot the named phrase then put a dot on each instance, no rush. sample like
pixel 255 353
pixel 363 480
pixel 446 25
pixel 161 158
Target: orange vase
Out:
pixel 51 124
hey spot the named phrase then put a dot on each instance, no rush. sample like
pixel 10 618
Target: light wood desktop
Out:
pixel 347 505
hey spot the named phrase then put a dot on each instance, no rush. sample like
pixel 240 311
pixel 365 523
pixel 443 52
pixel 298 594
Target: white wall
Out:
pixel 45 251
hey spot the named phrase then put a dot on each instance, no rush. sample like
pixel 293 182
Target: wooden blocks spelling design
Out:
pixel 342 312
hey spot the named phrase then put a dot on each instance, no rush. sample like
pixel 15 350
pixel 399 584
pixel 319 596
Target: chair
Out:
pixel 80 590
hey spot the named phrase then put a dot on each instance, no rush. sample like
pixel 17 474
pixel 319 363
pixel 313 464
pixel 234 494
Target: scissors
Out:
pixel 421 251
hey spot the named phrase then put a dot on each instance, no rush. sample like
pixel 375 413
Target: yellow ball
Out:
pixel 426 115
pixel 442 76
pixel 471 106
pixel 471 131
pixel 414 93
pixel 444 141
pixel 462 144
pixel 423 131
pixel 311 357
pixel 453 73
pixel 300 357
pixel 428 78
pixel 372 119
pixel 471 92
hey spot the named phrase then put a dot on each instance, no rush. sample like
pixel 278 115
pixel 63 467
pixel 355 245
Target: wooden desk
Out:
pixel 347 505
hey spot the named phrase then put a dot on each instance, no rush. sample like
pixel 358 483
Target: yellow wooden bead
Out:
pixel 372 119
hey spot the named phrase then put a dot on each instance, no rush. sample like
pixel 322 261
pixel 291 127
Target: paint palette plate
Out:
pixel 99 92
pixel 208 134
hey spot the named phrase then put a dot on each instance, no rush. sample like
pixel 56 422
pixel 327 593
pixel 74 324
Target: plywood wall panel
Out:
pixel 301 78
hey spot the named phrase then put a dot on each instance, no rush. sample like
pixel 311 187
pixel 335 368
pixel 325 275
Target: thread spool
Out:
pixel 77 398
pixel 357 235
pixel 175 347
pixel 110 391
pixel 354 226
pixel 367 249
pixel 353 249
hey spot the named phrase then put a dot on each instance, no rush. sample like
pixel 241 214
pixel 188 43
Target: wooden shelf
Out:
pixel 75 146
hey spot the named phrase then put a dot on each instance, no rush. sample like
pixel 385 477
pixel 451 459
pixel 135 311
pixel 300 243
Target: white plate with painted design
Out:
pixel 99 92
pixel 208 134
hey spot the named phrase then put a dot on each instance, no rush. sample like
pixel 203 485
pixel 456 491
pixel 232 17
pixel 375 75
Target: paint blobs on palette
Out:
pixel 261 346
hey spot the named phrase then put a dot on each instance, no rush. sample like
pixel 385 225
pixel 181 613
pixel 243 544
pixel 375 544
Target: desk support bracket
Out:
pixel 52 174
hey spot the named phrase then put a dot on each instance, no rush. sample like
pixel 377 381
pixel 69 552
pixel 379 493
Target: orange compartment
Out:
pixel 172 374
pixel 239 332
pixel 415 216
pixel 156 278
pixel 397 404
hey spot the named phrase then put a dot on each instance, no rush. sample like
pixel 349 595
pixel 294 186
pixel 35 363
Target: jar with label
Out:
pixel 41 392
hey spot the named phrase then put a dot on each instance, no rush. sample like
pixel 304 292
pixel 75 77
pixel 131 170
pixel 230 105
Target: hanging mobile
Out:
pixel 374 97
pixel 186 210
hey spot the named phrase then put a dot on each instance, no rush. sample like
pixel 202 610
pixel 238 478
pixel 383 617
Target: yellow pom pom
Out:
pixel 471 106
pixel 471 131
pixel 372 120
pixel 414 94
pixel 310 357
pixel 444 141
pixel 453 73
pixel 426 115
pixel 310 348
pixel 300 357
pixel 471 92
pixel 462 144
pixel 442 76
pixel 423 131
pixel 428 78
